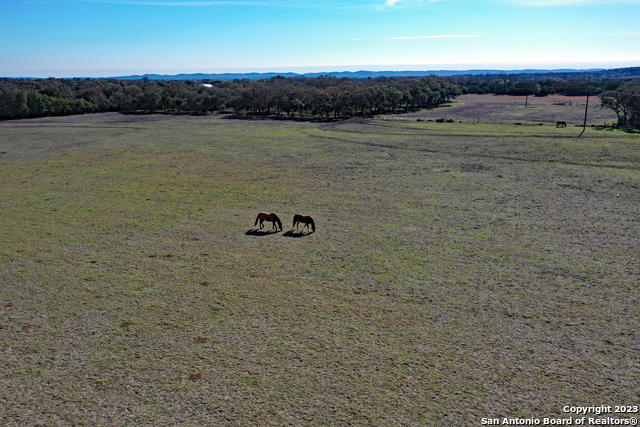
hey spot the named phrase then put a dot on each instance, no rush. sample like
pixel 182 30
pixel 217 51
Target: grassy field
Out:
pixel 524 110
pixel 458 271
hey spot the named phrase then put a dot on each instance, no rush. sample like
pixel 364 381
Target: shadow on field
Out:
pixel 296 234
pixel 273 117
pixel 258 232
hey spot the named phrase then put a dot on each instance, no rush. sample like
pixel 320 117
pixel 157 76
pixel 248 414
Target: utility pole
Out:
pixel 584 126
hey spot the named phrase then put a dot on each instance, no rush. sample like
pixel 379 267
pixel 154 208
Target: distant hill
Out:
pixel 595 73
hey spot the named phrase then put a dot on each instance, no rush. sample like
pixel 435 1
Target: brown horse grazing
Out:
pixel 305 219
pixel 271 217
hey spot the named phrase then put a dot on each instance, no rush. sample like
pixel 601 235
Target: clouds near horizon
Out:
pixel 433 37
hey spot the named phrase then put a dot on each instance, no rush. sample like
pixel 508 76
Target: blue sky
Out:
pixel 100 38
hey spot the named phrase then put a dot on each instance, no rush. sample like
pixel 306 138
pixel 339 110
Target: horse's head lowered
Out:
pixel 305 219
pixel 271 217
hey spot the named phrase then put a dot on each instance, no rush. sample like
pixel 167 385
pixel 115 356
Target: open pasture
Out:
pixel 457 271
pixel 525 110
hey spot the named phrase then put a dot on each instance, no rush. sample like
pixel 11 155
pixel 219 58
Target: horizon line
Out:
pixel 257 71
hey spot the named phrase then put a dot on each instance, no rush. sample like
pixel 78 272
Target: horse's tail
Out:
pixel 296 218
pixel 257 218
pixel 277 220
pixel 313 224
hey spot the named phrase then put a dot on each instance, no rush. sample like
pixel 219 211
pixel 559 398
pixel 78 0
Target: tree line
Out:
pixel 296 97
pixel 569 83
pixel 323 96
pixel 510 85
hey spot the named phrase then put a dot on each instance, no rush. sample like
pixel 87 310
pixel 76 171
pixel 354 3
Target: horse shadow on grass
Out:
pixel 296 234
pixel 258 232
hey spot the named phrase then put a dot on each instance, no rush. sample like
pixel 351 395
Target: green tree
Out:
pixel 13 104
pixel 394 97
pixel 623 101
pixel 211 103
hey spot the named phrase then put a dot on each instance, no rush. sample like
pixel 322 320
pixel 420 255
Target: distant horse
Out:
pixel 561 124
pixel 271 217
pixel 305 219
